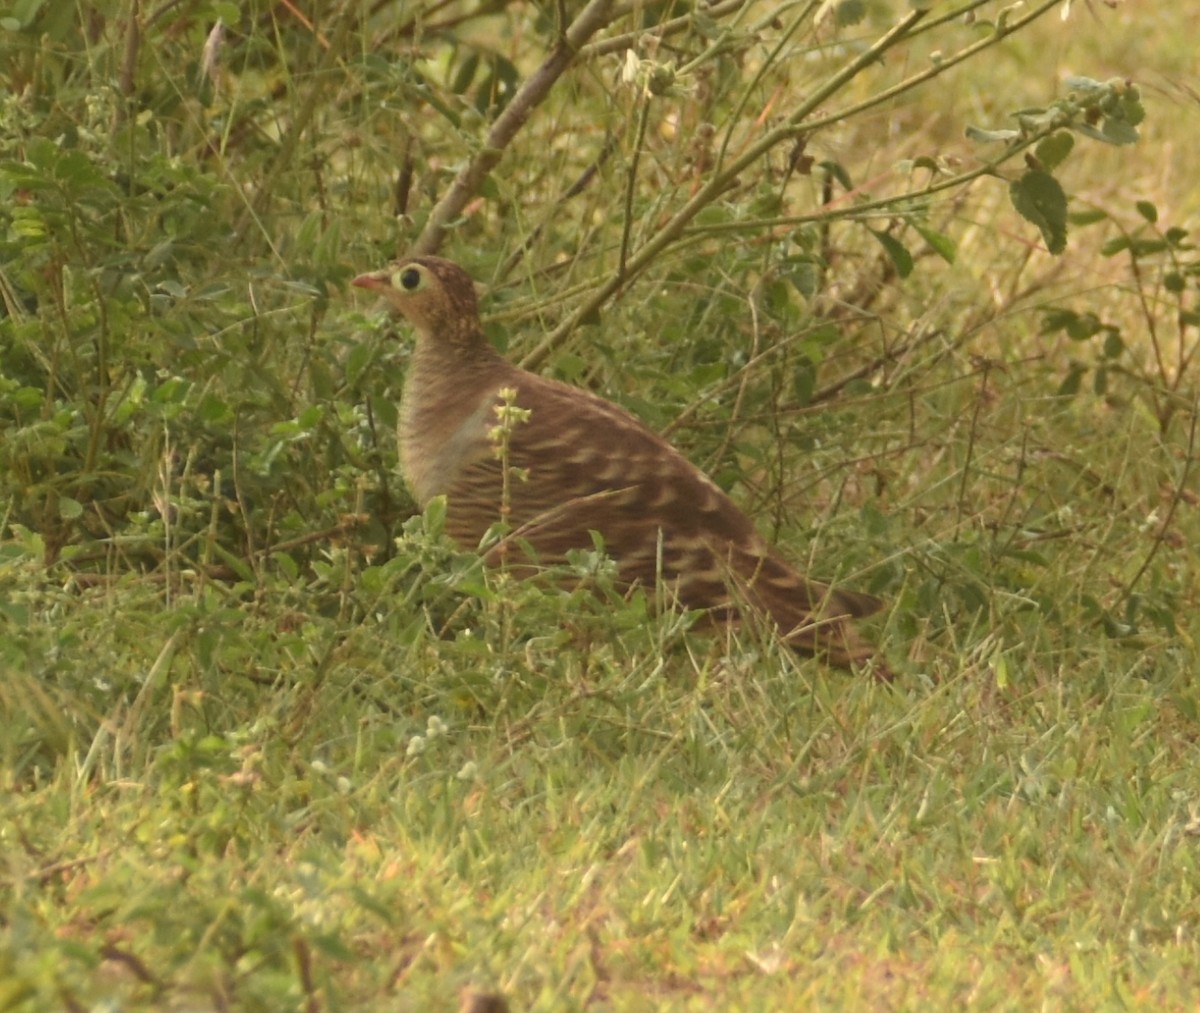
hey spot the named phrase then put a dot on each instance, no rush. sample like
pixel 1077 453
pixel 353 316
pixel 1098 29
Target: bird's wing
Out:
pixel 580 464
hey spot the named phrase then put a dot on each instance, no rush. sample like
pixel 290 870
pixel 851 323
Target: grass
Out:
pixel 267 742
pixel 331 814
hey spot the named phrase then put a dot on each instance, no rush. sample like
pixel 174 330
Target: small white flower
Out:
pixel 629 73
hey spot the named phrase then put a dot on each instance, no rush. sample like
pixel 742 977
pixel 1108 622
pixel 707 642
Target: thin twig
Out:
pixel 717 184
pixel 673 26
pixel 795 125
pixel 1180 486
pixel 631 182
pixel 574 190
pixel 285 153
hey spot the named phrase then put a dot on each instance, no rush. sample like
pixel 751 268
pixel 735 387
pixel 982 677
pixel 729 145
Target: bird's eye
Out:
pixel 409 279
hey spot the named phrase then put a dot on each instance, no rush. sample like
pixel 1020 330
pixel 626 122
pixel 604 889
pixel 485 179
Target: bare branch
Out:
pixel 533 92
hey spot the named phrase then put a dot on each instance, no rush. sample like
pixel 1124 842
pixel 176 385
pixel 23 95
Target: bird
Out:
pixel 569 463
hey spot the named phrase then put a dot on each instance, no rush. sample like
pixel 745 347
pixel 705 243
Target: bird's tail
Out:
pixel 814 619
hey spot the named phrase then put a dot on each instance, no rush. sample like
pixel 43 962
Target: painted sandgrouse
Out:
pixel 579 464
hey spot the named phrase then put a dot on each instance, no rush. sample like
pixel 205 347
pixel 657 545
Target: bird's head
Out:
pixel 436 296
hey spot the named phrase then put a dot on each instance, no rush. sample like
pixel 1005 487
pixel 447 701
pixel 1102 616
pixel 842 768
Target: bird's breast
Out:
pixel 442 432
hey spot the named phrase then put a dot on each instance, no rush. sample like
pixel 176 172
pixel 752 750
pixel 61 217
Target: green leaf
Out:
pixel 1119 131
pixel 434 518
pixel 850 12
pixel 1147 247
pixel 1083 326
pixel 1058 320
pixel 1071 383
pixel 69 509
pixel 942 244
pixel 896 251
pixel 1040 199
pixel 1147 210
pixel 803 274
pixel 287 564
pixel 1115 246
pixel 1088 87
pixel 1000 669
pixel 76 170
pixel 777 296
pixel 804 382
pixel 838 172
pixel 356 362
pixel 214 410
pixel 1027 556
pixel 235 562
pixel 925 162
pixel 1132 110
pixel 990 136
pixel 173 390
pixel 1052 150
pixel 465 74
pixel 437 102
pixel 1094 133
pixel 385 411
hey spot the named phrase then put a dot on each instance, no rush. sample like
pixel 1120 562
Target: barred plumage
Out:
pixel 586 465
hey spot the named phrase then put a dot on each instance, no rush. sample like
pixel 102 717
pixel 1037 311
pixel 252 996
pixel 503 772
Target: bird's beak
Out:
pixel 372 279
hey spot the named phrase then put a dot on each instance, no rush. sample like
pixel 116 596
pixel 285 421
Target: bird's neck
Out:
pixel 447 392
pixel 442 375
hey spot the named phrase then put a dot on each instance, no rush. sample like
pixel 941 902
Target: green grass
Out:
pixel 342 811
pixel 267 742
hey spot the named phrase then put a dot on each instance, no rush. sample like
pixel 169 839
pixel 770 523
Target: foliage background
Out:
pixel 267 740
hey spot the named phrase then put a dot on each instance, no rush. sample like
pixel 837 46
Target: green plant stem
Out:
pixel 631 180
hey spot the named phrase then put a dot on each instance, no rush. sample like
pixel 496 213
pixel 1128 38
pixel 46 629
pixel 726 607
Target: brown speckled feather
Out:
pixel 588 465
